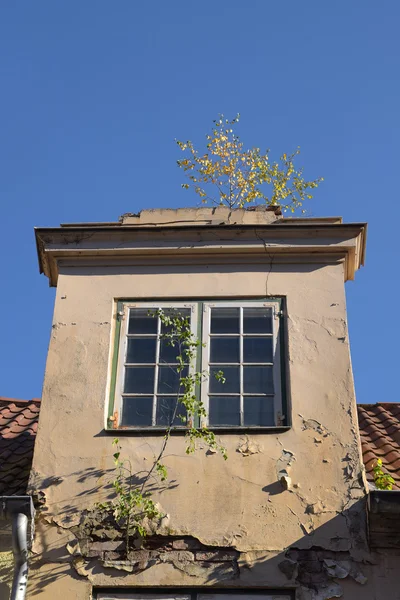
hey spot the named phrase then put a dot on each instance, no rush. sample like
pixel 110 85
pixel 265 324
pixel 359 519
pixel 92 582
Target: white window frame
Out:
pixel 276 371
pixel 245 595
pixel 123 347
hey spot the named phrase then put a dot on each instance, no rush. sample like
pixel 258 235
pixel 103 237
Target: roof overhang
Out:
pixel 298 242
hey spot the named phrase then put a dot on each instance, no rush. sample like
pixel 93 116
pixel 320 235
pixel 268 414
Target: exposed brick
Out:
pixel 94 554
pixel 157 544
pixel 288 567
pixel 187 544
pixel 312 578
pixel 112 556
pixel 322 554
pixel 306 555
pixel 179 555
pixel 106 546
pixel 313 566
pixel 139 556
pixel 217 556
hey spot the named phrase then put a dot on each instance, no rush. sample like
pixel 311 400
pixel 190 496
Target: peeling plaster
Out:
pixel 283 466
pixel 316 570
pixel 248 446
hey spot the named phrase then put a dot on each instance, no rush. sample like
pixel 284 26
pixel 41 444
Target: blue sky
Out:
pixel 94 94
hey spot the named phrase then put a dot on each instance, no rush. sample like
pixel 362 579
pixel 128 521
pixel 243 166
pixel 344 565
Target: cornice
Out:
pixel 288 242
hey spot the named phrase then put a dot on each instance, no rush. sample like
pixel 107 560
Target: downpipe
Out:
pixel 20 550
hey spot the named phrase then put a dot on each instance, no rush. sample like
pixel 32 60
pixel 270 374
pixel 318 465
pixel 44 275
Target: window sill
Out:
pixel 182 431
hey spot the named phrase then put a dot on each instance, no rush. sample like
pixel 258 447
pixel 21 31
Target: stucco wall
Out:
pixel 6 574
pixel 238 503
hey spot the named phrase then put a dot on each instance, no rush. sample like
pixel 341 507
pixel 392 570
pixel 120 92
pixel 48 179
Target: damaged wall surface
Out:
pixel 287 510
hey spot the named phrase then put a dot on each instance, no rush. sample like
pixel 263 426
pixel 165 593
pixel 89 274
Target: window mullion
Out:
pixel 154 412
pixel 241 364
pixel 205 361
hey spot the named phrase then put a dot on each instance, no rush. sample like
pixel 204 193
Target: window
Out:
pixel 197 595
pixel 241 339
pixel 242 342
pixel 148 379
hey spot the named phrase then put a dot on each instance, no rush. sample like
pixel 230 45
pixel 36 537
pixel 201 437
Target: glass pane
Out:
pixel 224 410
pixel 141 350
pixel 225 320
pixel 175 313
pixel 140 321
pixel 231 385
pixel 166 406
pixel 257 349
pixel 224 349
pixel 168 379
pixel 168 352
pixel 258 411
pixel 258 380
pixel 257 320
pixel 139 380
pixel 137 411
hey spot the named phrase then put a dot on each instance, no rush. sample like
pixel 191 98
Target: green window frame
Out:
pixel 243 338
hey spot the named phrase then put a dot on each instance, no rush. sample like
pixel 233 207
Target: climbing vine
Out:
pixel 133 506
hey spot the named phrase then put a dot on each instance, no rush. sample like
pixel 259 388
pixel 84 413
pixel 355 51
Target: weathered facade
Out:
pixel 285 515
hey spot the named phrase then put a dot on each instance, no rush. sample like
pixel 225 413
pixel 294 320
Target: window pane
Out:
pixel 137 411
pixel 168 379
pixel 257 320
pixel 140 321
pixel 258 380
pixel 139 380
pixel 224 349
pixel 257 349
pixel 225 320
pixel 165 408
pixel 141 350
pixel 224 410
pixel 231 385
pixel 258 411
pixel 174 313
pixel 168 352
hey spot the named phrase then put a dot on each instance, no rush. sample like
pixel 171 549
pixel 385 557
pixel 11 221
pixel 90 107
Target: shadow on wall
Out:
pixel 316 563
pixel 191 268
pixel 6 574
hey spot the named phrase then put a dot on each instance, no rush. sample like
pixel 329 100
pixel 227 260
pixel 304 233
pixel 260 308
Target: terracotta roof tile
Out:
pixel 18 425
pixel 379 426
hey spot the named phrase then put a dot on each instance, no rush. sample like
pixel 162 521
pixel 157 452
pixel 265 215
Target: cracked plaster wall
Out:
pixel 302 488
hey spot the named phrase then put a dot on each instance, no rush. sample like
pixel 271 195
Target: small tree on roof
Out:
pixel 228 175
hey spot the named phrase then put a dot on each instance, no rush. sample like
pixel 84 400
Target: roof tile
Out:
pixel 380 438
pixel 18 425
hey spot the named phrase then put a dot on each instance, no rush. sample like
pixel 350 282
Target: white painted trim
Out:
pixel 123 344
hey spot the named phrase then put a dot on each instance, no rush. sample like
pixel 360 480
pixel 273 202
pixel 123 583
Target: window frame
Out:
pixel 118 349
pixel 194 594
pixel 276 363
pixel 122 351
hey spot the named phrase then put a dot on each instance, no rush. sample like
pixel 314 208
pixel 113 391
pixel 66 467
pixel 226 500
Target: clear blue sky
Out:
pixel 93 94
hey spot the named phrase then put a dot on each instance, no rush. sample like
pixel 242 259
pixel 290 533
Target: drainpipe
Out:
pixel 20 510
pixel 20 549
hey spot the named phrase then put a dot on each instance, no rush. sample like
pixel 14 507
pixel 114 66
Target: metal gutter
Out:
pixel 20 510
pixel 160 226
